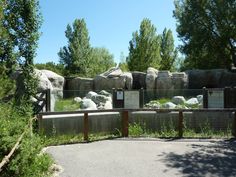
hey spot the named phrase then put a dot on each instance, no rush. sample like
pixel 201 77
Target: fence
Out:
pixel 125 118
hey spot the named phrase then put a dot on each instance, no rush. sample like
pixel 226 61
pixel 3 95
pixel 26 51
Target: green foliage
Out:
pixel 7 85
pixel 168 51
pixel 77 55
pixel 136 130
pixel 66 105
pixel 207 29
pixel 26 160
pixel 144 48
pixel 148 49
pixel 57 68
pixel 20 22
pixel 101 61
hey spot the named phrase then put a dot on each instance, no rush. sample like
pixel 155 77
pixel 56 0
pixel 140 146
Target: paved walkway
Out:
pixel 147 158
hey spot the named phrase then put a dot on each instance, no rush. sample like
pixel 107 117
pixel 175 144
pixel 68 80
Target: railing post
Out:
pixel 86 128
pixel 234 127
pixel 125 124
pixel 39 117
pixel 181 123
pixel 48 100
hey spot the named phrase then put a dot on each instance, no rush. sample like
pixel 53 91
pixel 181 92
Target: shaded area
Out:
pixel 214 159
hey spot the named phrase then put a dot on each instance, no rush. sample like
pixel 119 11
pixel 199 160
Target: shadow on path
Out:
pixel 214 159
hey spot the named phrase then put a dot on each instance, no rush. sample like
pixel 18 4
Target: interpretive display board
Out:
pixel 131 99
pixel 215 99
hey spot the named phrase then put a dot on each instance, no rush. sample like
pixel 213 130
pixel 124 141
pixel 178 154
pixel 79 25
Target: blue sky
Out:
pixel 110 23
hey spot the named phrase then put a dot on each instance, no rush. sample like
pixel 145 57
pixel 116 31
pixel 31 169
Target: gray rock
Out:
pixel 178 100
pixel 44 82
pixel 169 105
pixel 79 83
pixel 105 93
pixel 200 98
pixel 88 104
pixel 103 82
pixel 99 99
pixel 215 78
pixel 77 99
pixel 192 101
pixel 91 94
pixel 151 76
pixel 113 72
pixel 139 80
pixel 164 80
pixel 179 80
pixel 106 105
pixel 57 82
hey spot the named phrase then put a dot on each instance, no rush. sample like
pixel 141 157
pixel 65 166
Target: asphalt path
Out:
pixel 147 158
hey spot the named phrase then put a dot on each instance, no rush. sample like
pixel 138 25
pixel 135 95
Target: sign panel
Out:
pixel 120 95
pixel 131 100
pixel 215 99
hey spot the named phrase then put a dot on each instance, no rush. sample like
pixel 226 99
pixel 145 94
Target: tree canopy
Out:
pixel 207 29
pixel 168 51
pixel 20 23
pixel 144 48
pixel 77 55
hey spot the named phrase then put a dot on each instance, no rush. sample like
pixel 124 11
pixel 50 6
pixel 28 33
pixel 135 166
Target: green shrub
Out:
pixel 66 105
pixel 136 130
pixel 26 160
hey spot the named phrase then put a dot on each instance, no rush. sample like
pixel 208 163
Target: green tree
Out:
pixel 144 48
pixel 101 61
pixel 77 55
pixel 168 50
pixel 21 22
pixel 57 68
pixel 207 29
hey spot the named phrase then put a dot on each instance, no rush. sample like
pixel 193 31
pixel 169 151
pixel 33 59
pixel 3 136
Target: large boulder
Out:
pixel 113 78
pixel 57 82
pixel 88 104
pixel 151 76
pixel 214 78
pixel 164 80
pixel 44 83
pixel 178 100
pixel 179 80
pixel 79 83
pixel 139 80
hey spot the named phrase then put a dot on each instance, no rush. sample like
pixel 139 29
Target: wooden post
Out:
pixel 234 126
pixel 205 97
pixel 86 128
pixel 125 124
pixel 48 100
pixel 181 124
pixel 141 98
pixel 40 127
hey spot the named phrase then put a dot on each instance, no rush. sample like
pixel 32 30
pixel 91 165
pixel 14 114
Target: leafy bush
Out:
pixel 66 105
pixel 26 160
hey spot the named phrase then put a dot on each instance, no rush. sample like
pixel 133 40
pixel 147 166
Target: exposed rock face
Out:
pixel 77 99
pixel 44 82
pixel 215 78
pixel 113 78
pixel 164 80
pixel 180 80
pixel 57 82
pixel 139 80
pixel 79 83
pixel 151 78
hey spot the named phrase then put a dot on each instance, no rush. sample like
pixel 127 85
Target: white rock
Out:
pixel 77 99
pixel 192 101
pixel 200 98
pixel 108 105
pixel 178 100
pixel 151 78
pixel 91 94
pixel 88 104
pixel 169 105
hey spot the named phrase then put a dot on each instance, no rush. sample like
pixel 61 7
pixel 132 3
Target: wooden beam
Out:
pixel 86 127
